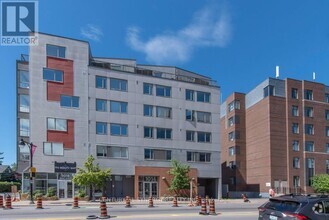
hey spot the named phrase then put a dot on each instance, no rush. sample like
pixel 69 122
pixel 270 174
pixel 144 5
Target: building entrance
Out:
pixel 148 186
pixel 65 189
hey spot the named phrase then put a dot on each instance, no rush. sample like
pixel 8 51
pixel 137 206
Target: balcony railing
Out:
pixel 154 73
pixel 24 57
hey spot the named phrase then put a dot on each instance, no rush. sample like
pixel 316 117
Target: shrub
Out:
pixel 37 193
pixel 51 192
pixel 6 186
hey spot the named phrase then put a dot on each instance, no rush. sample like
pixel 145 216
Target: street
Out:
pixel 164 211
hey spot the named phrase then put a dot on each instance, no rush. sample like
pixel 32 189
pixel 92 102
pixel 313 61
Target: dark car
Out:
pixel 297 207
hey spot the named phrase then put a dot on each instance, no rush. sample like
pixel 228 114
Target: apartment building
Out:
pixel 132 118
pixel 277 135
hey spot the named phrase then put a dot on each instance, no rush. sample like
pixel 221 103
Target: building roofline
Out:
pixel 69 38
pixel 115 58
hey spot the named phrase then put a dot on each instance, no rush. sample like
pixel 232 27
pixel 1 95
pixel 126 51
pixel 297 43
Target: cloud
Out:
pixel 209 27
pixel 91 32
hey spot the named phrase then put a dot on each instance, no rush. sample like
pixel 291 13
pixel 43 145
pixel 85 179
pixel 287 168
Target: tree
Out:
pixel 91 176
pixel 180 178
pixel 320 183
pixel 13 167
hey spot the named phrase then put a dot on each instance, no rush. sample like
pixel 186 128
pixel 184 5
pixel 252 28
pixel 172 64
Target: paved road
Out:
pixel 118 212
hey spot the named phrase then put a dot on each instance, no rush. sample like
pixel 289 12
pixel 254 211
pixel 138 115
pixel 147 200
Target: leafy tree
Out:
pixel 180 175
pixel 91 176
pixel 13 167
pixel 320 183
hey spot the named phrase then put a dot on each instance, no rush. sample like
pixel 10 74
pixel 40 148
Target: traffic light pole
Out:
pixel 31 176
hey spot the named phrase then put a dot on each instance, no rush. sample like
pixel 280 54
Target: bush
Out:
pixel 82 193
pixel 6 186
pixel 37 193
pixel 51 192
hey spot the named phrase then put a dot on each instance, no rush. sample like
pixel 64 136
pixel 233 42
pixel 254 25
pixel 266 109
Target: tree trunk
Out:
pixel 90 192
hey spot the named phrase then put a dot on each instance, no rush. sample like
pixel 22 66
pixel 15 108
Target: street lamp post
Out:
pixel 30 145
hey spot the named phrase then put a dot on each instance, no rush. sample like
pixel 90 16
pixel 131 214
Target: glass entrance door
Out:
pixel 64 189
pixel 150 189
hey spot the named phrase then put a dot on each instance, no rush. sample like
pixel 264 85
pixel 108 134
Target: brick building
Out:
pixel 277 135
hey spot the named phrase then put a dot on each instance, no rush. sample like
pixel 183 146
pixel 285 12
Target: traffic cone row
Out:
pixel 212 207
pixel 128 202
pixel 1 201
pixel 175 204
pixel 75 203
pixel 103 211
pixel 8 203
pixel 39 203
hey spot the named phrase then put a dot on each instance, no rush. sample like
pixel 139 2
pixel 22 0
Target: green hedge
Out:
pixel 6 186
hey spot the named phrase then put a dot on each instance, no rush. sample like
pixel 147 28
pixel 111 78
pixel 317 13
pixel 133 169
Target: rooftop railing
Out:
pixel 154 73
pixel 25 57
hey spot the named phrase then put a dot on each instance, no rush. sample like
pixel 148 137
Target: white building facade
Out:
pixel 132 118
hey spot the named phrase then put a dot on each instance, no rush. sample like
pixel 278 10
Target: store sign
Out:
pixel 65 167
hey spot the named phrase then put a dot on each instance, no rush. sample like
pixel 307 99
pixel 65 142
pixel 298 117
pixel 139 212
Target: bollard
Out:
pixel 75 203
pixel 207 200
pixel 203 208
pixel 8 202
pixel 39 203
pixel 103 211
pixel 199 200
pixel 128 202
pixel 212 207
pixel 150 202
pixel 175 204
pixel 1 202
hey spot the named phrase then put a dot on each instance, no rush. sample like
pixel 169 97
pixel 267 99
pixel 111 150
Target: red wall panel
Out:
pixel 65 137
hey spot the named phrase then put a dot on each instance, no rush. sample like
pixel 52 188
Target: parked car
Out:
pixel 295 207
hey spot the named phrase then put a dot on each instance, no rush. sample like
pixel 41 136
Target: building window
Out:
pixel 309 146
pixel 190 135
pixel 147 89
pixel 164 91
pixel 308 94
pixel 112 152
pixel 119 129
pixel 148 132
pixel 296 162
pixel 295 111
pixel 154 154
pixel 56 124
pixel 309 171
pixel 295 128
pixel 327 131
pixel 327 148
pixel 101 128
pixel 164 133
pixel 203 96
pixel 53 75
pixel 295 145
pixel 327 97
pixel 24 127
pixel 296 181
pixel 233 120
pixel 24 79
pixel 234 105
pixel 327 115
pixel 294 93
pixel 24 103
pixel 308 112
pixel 53 149
pixel 163 112
pixel 69 101
pixel 55 51
pixel 198 156
pixel 233 135
pixel 327 166
pixel 119 107
pixel 309 129
pixel 101 105
pixel 189 115
pixel 148 110
pixel 118 84
pixel 101 82
pixel 231 151
pixel 268 91
pixel 189 95
pixel 204 117
pixel 204 137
